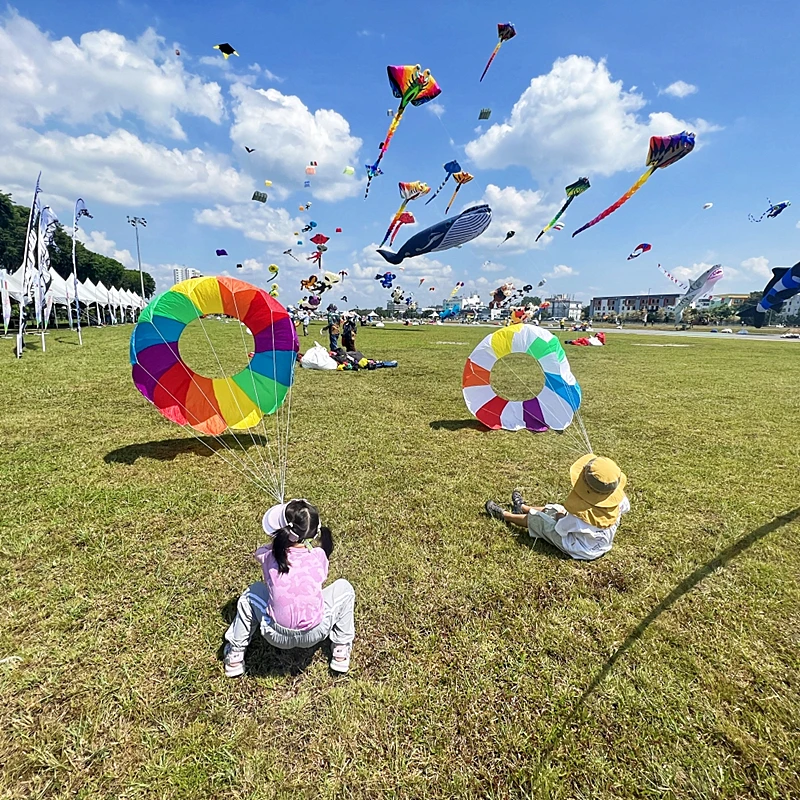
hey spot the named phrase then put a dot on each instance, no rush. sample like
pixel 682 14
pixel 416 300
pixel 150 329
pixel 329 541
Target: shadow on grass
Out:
pixel 262 659
pixel 686 585
pixel 457 425
pixel 73 341
pixel 168 449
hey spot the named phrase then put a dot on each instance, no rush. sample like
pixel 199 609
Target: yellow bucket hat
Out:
pixel 598 486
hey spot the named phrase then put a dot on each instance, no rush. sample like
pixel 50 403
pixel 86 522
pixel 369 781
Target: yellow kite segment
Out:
pixel 502 340
pixel 204 293
pixel 238 410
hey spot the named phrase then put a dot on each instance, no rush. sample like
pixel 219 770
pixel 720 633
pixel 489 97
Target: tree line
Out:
pixel 14 225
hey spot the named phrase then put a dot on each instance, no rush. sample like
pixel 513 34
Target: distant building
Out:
pixel 791 308
pixel 564 307
pixel 180 274
pixel 733 300
pixel 622 305
pixel 395 307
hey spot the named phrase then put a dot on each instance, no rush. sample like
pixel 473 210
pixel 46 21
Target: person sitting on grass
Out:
pixel 289 607
pixel 584 526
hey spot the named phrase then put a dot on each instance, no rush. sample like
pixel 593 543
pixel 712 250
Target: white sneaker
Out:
pixel 233 658
pixel 340 662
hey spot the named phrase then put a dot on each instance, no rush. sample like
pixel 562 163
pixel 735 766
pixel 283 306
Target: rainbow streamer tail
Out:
pixel 555 218
pixel 489 62
pixel 372 169
pixel 441 186
pixel 394 233
pixel 452 198
pixel 624 199
pixel 394 221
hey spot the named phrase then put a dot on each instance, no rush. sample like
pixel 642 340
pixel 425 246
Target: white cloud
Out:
pixel 575 121
pixel 436 108
pixel 101 77
pixel 262 223
pixel 758 265
pixel 520 210
pixel 286 136
pixel 99 242
pixel 679 89
pixel 119 168
pixel 491 266
pixel 561 271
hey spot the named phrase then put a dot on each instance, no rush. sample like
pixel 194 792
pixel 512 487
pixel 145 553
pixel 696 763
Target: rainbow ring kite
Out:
pixel 554 407
pixel 210 405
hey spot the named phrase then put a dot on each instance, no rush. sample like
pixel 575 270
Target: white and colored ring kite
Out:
pixel 554 407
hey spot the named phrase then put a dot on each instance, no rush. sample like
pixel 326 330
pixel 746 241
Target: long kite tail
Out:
pixel 753 219
pixel 452 198
pixel 394 221
pixel 627 196
pixel 441 186
pixel 489 62
pixel 556 217
pixel 373 171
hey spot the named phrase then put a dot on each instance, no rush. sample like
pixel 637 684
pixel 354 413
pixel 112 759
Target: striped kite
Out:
pixel 505 31
pixel 573 190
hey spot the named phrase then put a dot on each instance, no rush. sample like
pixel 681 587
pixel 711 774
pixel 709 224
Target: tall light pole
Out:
pixel 136 222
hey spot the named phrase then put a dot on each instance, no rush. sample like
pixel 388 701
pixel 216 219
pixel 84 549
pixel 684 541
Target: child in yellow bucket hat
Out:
pixel 584 526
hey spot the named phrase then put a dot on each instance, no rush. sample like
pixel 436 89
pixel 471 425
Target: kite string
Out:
pixel 273 469
pixel 236 399
pixel 208 400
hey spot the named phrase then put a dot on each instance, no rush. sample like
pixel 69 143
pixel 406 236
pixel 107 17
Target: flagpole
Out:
pixel 75 271
pixel 21 332
pixel 136 222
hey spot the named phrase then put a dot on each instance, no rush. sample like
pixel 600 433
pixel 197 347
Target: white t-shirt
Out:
pixel 582 540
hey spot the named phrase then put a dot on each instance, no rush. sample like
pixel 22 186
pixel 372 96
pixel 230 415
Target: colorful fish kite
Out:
pixel 226 50
pixel 639 249
pixel 664 150
pixel 412 86
pixel 505 31
pixel 697 288
pixel 772 211
pixel 460 178
pixel 573 190
pixel 406 218
pixel 291 254
pixel 450 168
pixel 785 283
pixel 450 232
pixel 386 279
pixel 408 192
pixel 509 235
pixel 485 113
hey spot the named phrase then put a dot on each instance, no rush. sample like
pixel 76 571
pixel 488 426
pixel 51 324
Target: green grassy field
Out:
pixel 485 666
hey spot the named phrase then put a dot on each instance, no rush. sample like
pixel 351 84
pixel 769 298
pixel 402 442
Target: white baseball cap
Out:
pixel 274 519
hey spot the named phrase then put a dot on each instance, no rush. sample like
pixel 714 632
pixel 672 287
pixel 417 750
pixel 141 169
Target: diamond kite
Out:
pixel 226 50
pixel 450 168
pixel 664 150
pixel 573 190
pixel 411 86
pixel 408 192
pixel 505 31
pixel 460 178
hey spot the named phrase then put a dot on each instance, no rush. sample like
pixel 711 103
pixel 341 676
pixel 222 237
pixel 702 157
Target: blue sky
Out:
pixel 101 103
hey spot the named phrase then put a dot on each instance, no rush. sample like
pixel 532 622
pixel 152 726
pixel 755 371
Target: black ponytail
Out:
pixel 302 523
